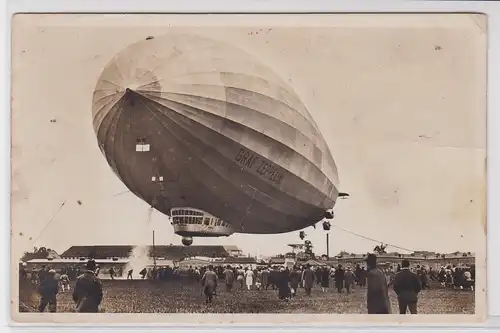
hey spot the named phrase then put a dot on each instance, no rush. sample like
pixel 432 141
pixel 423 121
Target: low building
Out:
pixel 167 252
pixel 121 257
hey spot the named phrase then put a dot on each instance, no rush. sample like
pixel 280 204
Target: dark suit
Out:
pixel 407 286
pixel 308 280
pixel 377 294
pixel 87 293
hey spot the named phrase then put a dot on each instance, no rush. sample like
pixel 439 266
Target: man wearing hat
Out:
pixel 407 286
pixel 49 288
pixel 377 294
pixel 88 290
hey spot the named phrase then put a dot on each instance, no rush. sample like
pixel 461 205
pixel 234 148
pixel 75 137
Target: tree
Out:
pixel 342 254
pixel 37 253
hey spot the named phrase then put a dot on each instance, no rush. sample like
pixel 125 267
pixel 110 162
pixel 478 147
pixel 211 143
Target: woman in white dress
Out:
pixel 249 278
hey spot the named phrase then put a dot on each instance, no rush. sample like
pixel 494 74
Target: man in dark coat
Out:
pixel 377 294
pixel 265 278
pixel 42 273
pixel 325 279
pixel 209 282
pixel 49 288
pixel 407 286
pixel 229 278
pixel 349 279
pixel 88 290
pixel 308 279
pixel 273 277
pixel 339 278
pixel 362 277
pixel 283 278
pixel 357 274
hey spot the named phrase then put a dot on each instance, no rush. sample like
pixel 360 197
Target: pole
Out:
pixel 328 245
pixel 154 250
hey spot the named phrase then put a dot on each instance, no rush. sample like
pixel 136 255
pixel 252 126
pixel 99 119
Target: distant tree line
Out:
pixel 37 253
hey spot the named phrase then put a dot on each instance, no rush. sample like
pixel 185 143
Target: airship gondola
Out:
pixel 193 126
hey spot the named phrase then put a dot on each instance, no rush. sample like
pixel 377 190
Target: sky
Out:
pixel 399 100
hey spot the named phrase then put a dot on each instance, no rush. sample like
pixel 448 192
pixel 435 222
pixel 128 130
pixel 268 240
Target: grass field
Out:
pixel 121 296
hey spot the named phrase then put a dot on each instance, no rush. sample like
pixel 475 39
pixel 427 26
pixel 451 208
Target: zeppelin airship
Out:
pixel 211 137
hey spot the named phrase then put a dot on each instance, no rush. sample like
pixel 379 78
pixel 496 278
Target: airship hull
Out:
pixel 218 146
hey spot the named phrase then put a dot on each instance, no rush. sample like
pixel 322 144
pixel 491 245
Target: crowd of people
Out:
pixel 407 282
pixel 87 292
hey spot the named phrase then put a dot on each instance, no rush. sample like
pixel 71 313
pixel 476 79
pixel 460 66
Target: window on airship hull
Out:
pixel 207 221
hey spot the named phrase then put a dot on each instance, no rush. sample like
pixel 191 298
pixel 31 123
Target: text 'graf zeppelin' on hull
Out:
pixel 224 133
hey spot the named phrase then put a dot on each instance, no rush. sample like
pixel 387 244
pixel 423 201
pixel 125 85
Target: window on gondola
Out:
pixel 207 221
pixel 142 145
pixel 199 220
pixel 191 220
